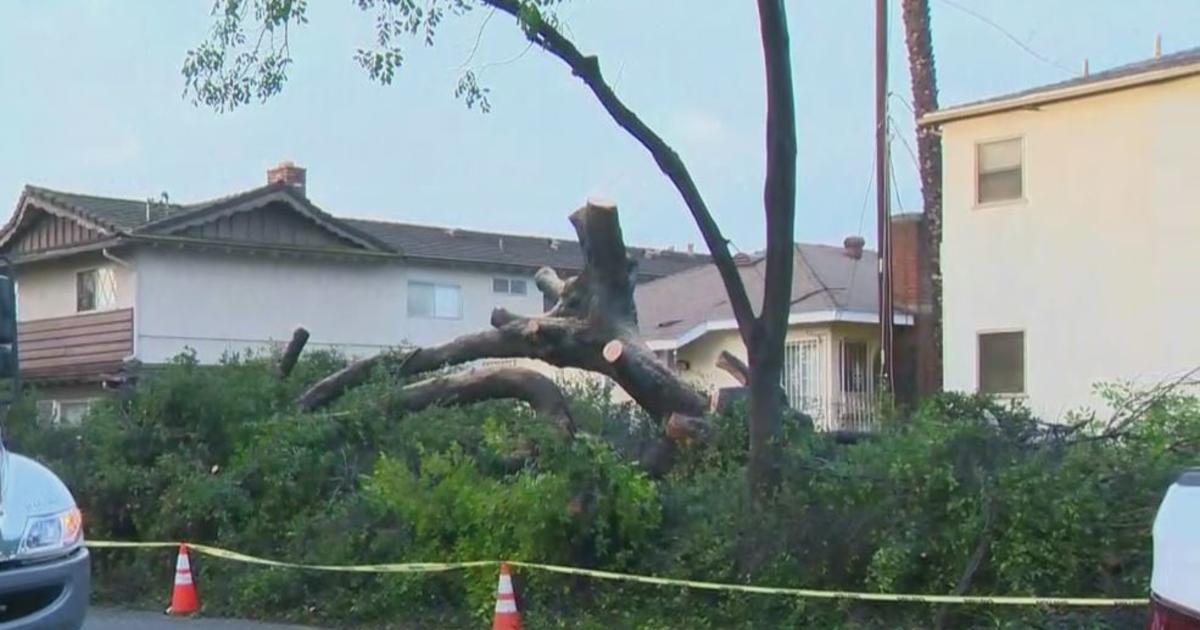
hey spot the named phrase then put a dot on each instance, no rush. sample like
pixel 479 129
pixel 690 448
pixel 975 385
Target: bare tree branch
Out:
pixel 464 388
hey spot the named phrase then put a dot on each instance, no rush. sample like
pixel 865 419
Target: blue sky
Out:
pixel 93 104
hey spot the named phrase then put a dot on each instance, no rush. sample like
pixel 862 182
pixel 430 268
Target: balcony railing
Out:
pixel 77 346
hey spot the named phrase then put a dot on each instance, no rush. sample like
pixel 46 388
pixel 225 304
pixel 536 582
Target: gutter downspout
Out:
pixel 133 272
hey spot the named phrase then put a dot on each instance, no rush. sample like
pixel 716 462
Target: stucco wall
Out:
pixel 47 289
pixel 216 303
pixel 478 300
pixel 1098 263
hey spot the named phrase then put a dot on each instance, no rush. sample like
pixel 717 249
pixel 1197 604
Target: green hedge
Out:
pixel 219 455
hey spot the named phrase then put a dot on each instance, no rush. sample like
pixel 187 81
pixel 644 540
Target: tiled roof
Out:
pixel 424 242
pixel 825 279
pixel 122 214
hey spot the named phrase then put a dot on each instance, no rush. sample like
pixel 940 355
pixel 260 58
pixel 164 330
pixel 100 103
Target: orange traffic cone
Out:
pixel 507 617
pixel 183 598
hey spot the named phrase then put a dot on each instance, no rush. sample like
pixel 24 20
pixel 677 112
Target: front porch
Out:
pixel 829 374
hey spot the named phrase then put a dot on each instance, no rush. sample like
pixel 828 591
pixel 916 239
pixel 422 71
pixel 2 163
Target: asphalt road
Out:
pixel 113 619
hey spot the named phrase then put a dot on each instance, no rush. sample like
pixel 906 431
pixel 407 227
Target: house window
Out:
pixel 856 376
pixel 999 171
pixel 63 412
pixel 435 301
pixel 669 358
pixel 509 286
pixel 95 290
pixel 1002 363
pixel 802 375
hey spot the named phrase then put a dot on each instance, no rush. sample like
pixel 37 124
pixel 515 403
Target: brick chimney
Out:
pixel 906 267
pixel 287 172
pixel 853 246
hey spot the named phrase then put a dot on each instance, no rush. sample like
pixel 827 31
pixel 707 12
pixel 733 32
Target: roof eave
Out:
pixel 1047 97
pixel 250 246
pixel 829 316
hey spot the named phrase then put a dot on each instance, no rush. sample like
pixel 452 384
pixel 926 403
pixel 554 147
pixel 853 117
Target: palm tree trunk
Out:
pixel 919 40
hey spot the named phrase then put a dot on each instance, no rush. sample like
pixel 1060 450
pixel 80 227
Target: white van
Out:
pixel 1175 580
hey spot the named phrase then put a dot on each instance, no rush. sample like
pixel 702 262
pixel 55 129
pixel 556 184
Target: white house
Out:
pixel 832 347
pixel 108 284
pixel 1069 240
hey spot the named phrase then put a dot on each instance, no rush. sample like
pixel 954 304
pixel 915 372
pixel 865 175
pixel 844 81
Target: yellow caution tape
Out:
pixel 431 567
pixel 225 554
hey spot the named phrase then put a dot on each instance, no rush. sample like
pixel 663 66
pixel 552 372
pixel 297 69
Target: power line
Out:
pixel 862 217
pixel 908 148
pixel 1013 38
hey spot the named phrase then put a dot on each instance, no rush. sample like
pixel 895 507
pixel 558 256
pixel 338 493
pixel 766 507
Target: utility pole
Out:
pixel 882 190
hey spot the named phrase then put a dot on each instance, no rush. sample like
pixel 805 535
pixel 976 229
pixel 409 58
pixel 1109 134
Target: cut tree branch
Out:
pixel 734 366
pixel 291 353
pixel 587 68
pixel 548 283
pixel 473 386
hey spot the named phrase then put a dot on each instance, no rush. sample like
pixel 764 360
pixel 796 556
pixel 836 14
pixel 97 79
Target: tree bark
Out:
pixel 291 353
pixel 765 344
pixel 919 41
pixel 464 388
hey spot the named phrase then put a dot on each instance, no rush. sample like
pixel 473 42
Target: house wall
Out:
pixel 47 289
pixel 217 303
pixel 1097 264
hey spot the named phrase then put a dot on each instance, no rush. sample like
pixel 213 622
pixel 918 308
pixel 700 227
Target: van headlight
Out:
pixel 52 532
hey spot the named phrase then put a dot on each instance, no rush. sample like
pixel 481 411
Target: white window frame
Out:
pixel 811 382
pixel 508 285
pixel 976 173
pixel 433 314
pixel 1024 362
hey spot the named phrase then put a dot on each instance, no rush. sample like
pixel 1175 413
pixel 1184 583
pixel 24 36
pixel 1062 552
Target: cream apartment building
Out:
pixel 1071 221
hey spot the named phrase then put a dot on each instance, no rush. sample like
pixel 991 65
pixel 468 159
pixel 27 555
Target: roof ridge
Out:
pixel 55 191
pixel 430 226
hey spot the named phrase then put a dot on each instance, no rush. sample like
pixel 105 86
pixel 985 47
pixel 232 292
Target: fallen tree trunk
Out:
pixel 464 388
pixel 592 326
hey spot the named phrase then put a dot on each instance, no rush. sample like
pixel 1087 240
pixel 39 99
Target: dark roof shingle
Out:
pixel 456 245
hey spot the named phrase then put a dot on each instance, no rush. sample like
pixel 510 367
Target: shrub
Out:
pixel 219 454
